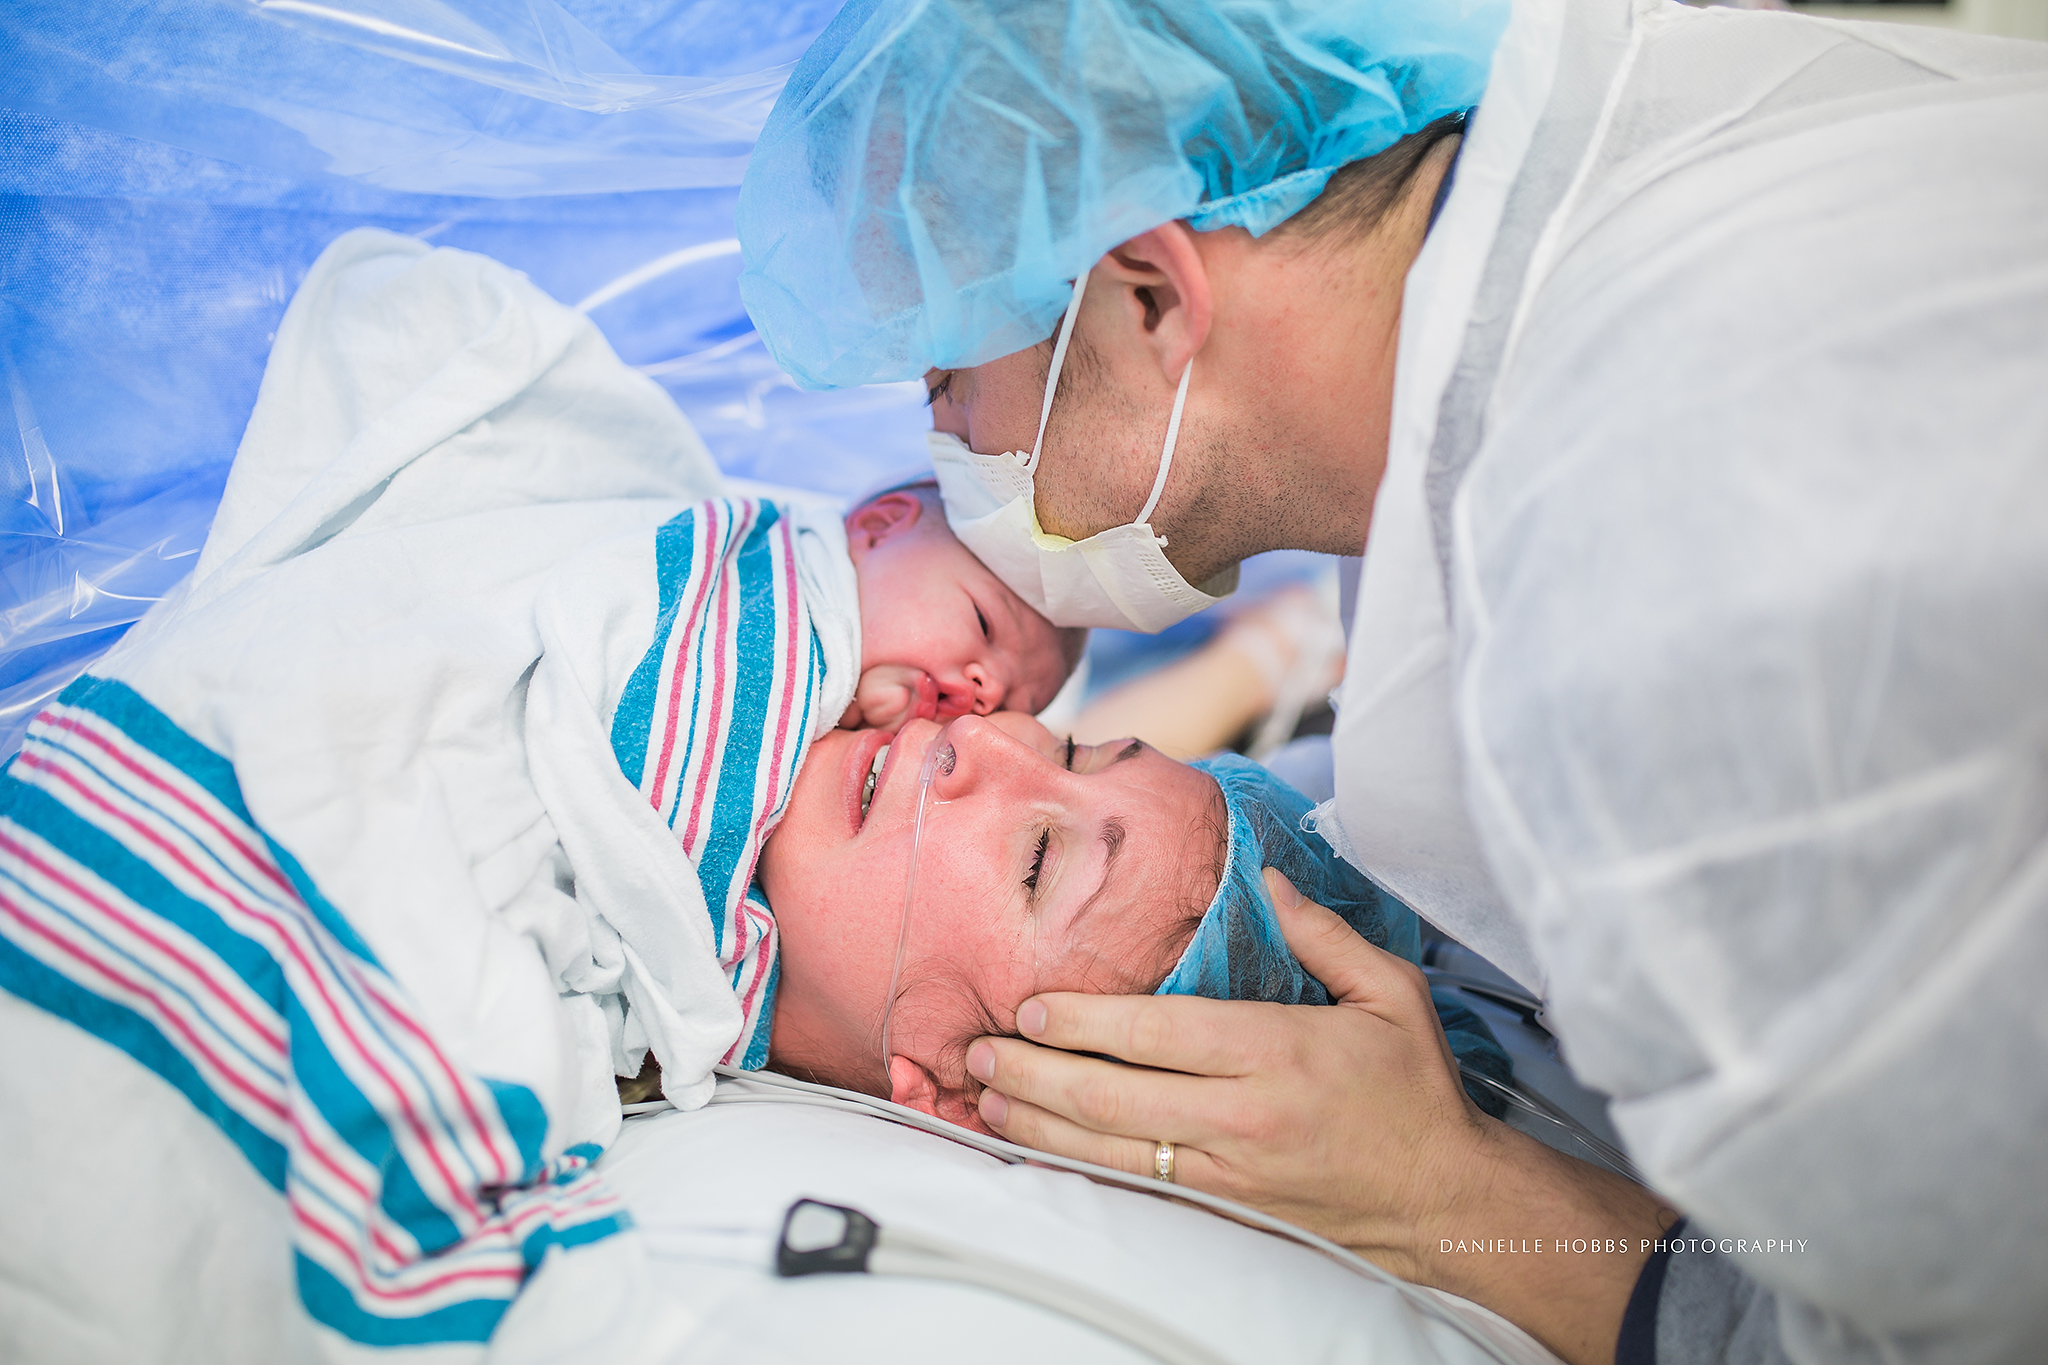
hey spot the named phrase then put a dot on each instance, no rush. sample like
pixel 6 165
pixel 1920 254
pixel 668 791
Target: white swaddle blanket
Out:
pixel 432 575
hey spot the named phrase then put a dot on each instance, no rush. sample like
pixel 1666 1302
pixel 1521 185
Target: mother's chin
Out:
pixel 834 878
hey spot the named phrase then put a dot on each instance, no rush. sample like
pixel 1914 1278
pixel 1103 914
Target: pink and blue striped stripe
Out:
pixel 713 723
pixel 140 901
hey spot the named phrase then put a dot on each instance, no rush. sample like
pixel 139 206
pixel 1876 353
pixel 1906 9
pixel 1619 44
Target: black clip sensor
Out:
pixel 824 1239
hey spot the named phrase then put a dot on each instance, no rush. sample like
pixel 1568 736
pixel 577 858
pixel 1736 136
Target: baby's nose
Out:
pixel 976 691
pixel 986 685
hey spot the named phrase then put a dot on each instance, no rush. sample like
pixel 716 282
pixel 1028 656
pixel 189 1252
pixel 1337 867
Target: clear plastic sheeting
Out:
pixel 69 597
pixel 169 170
pixel 504 98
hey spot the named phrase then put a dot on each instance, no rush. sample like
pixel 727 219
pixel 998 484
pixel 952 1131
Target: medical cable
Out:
pixel 833 1239
pixel 1535 1106
pixel 757 1087
pixel 1528 1006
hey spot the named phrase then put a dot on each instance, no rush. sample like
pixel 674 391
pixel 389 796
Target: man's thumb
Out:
pixel 1331 951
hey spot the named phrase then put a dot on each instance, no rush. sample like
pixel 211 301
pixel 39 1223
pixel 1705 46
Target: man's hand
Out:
pixel 1340 1120
pixel 1347 1120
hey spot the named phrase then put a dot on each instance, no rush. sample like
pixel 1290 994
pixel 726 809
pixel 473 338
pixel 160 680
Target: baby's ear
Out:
pixel 876 520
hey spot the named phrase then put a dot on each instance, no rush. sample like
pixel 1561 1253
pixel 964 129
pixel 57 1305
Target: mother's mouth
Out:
pixel 860 768
pixel 907 745
pixel 867 791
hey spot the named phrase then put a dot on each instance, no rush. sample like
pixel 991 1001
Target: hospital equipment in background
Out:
pixel 2004 18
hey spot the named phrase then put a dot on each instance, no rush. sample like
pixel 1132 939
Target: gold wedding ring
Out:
pixel 1162 1162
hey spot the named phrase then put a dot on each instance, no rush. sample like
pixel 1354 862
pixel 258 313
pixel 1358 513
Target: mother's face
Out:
pixel 1034 876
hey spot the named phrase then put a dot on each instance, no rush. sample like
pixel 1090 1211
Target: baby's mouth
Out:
pixel 867 789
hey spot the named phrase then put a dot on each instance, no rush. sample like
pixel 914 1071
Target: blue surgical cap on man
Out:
pixel 937 173
pixel 1238 951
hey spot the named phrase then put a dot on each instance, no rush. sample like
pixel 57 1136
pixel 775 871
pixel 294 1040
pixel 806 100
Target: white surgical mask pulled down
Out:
pixel 1119 578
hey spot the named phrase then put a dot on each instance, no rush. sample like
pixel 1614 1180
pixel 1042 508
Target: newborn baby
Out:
pixel 941 636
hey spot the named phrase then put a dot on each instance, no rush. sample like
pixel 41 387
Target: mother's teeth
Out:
pixel 867 790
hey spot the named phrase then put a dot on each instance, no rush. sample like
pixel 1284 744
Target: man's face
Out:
pixel 1284 434
pixel 1032 876
pixel 1101 449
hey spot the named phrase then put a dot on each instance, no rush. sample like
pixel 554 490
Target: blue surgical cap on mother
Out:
pixel 1238 951
pixel 937 173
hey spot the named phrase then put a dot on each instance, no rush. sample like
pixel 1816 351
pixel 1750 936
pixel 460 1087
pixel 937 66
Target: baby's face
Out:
pixel 941 636
pixel 1047 867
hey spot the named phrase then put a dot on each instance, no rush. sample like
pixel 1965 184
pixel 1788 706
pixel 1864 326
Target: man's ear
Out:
pixel 914 1087
pixel 1163 292
pixel 877 519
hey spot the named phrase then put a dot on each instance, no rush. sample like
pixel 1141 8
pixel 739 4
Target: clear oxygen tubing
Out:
pixel 938 755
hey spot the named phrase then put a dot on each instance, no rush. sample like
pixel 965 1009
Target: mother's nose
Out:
pixel 985 758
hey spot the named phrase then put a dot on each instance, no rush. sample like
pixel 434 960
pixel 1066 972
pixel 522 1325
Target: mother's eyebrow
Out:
pixel 1114 833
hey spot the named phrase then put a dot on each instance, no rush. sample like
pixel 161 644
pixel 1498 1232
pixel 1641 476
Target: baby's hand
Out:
pixel 890 694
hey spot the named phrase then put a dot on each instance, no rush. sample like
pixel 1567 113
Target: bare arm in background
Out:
pixel 1203 700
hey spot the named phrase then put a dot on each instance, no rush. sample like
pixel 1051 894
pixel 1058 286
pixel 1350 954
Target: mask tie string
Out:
pixel 1180 400
pixel 1059 359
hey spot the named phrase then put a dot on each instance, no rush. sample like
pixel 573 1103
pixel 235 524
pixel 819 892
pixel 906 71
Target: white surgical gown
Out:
pixel 1700 670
